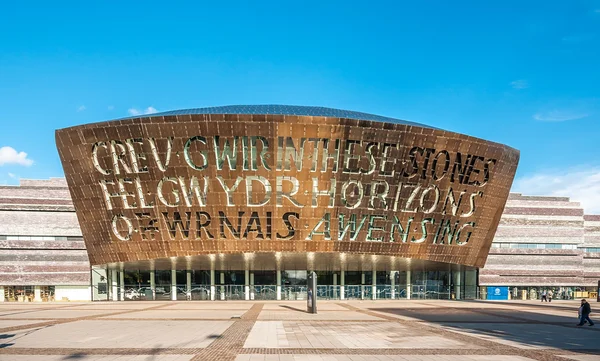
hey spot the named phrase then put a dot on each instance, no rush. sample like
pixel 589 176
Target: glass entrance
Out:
pixel 418 292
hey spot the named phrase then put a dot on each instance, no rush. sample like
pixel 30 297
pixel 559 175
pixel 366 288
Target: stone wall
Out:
pixel 40 239
pixel 591 260
pixel 540 224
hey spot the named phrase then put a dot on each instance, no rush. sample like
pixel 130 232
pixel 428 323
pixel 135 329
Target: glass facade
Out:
pixel 135 285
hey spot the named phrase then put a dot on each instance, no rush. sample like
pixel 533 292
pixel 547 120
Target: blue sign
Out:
pixel 497 293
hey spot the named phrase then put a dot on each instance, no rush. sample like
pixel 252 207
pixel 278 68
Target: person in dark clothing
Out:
pixel 584 313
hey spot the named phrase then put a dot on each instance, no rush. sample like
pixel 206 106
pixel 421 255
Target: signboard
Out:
pixel 497 293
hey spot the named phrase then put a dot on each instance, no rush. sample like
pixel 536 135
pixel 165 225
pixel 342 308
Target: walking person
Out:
pixel 550 294
pixel 584 313
pixel 544 296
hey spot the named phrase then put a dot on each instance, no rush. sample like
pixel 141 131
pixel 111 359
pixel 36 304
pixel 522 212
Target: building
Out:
pixel 42 253
pixel 240 201
pixel 543 243
pixel 44 258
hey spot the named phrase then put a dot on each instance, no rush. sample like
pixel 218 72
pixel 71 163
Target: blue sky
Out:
pixel 523 73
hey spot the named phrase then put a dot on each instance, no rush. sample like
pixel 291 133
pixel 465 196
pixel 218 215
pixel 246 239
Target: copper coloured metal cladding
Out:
pixel 193 184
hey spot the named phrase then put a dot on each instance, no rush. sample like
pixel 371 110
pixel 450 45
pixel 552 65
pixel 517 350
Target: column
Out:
pixel 362 285
pixel 374 284
pixel 122 285
pixel 393 284
pixel 335 291
pixel 212 283
pixel 2 294
pixel 457 283
pixel 222 282
pixel 115 286
pixel 470 283
pixel 188 285
pixel 252 286
pixel 153 284
pixel 108 286
pixel 278 285
pixel 342 280
pixel 37 297
pixel 173 285
pixel 247 284
pixel 408 285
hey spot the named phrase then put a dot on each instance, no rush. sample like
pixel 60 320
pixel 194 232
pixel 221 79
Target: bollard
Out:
pixel 311 299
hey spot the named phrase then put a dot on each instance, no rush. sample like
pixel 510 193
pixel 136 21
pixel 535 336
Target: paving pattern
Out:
pixel 281 331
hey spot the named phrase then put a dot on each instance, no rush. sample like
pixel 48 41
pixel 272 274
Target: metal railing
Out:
pixel 229 292
pixel 293 293
pixel 263 292
pixel 269 292
pixel 328 292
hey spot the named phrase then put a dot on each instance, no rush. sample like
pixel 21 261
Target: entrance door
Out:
pixel 418 292
pixel 229 292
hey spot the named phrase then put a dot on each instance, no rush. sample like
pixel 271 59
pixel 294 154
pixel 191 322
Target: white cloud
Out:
pixel 149 110
pixel 580 184
pixel 519 84
pixel 12 175
pixel 9 155
pixel 81 108
pixel 111 107
pixel 558 116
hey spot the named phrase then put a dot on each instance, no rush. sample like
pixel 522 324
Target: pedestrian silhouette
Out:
pixel 584 313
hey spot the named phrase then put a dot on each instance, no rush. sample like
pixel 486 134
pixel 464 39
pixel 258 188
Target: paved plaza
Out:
pixel 415 330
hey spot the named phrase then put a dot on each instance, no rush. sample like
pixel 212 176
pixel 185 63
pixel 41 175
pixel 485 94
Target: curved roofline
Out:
pixel 277 109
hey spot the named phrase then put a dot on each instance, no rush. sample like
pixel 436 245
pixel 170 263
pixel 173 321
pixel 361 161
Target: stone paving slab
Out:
pixel 541 315
pixel 84 357
pixel 323 306
pixel 11 323
pixel 205 305
pixel 359 357
pixel 290 334
pixel 180 314
pixel 55 314
pixel 116 305
pixel 390 303
pixel 119 334
pixel 322 316
pixel 415 330
pixel 442 315
pixel 32 305
pixel 533 336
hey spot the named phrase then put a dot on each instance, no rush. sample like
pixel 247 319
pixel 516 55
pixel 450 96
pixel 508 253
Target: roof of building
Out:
pixel 288 110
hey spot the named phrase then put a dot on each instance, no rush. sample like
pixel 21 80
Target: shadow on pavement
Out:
pixel 293 308
pixel 75 356
pixel 508 326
